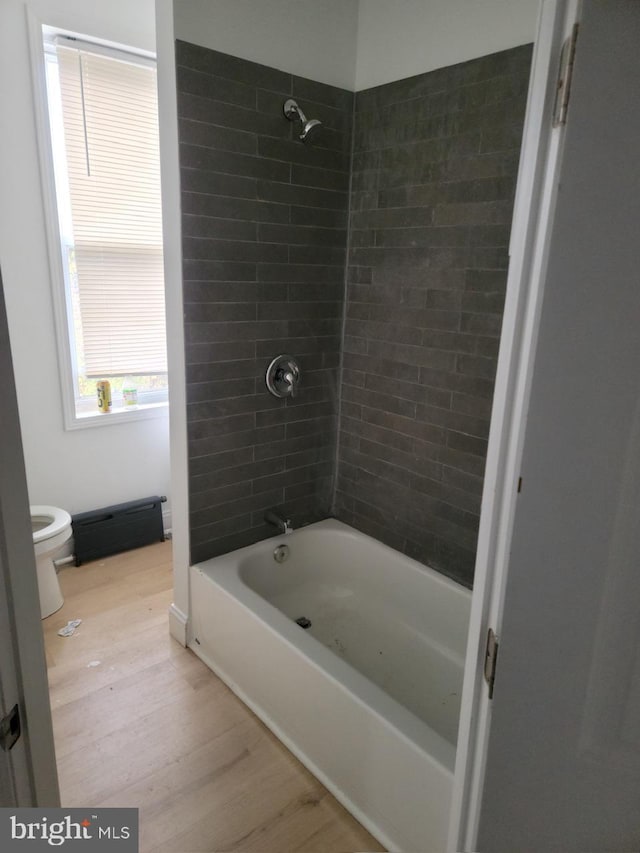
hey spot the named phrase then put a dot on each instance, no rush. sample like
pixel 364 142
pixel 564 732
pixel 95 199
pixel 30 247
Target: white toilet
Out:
pixel 51 529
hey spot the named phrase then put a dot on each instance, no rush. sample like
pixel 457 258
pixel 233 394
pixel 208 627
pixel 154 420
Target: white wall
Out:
pixel 310 38
pixel 356 43
pixel 87 468
pixel 405 37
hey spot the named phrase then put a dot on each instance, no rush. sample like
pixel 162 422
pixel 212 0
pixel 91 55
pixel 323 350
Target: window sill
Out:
pixel 144 411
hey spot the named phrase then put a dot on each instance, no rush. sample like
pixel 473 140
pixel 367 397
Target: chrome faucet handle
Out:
pixel 283 376
pixel 290 379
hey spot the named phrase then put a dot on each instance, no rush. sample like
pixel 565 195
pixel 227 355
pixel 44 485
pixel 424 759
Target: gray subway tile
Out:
pixel 213 249
pixel 217 332
pixel 245 165
pixel 219 312
pixel 231 291
pixel 233 440
pixel 300 272
pixel 327 256
pixel 231 67
pixel 217 183
pixel 309 197
pixel 339 99
pixel 301 235
pixel 192 81
pixel 211 112
pixel 229 207
pixel 326 179
pixel 223 389
pixel 193 270
pixel 219 352
pixel 219 229
pixel 220 460
pixel 220 138
pixel 295 152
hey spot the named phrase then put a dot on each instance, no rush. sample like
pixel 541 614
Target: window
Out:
pixel 103 121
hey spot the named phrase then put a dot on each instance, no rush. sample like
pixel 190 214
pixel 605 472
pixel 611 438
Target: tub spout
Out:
pixel 283 524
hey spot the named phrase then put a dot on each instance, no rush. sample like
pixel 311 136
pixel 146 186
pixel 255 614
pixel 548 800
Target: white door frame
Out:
pixel 28 772
pixel 172 246
pixel 532 221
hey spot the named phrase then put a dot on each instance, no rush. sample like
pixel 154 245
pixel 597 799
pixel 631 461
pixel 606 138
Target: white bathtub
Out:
pixel 368 697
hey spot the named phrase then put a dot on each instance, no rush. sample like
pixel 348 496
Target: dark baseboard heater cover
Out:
pixel 117 528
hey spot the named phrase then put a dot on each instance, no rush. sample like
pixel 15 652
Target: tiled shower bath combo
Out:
pixel 265 219
pixel 374 256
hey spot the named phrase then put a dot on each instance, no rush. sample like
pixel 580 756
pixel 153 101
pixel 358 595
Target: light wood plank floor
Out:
pixel 140 721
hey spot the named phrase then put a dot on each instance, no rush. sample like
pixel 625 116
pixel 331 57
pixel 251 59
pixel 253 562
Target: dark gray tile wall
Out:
pixel 264 222
pixel 434 170
pixel 264 251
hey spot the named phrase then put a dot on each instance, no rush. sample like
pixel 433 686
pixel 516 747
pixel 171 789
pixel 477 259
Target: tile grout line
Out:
pixel 340 371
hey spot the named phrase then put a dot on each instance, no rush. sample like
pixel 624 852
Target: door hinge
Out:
pixel 490 660
pixel 10 729
pixel 565 74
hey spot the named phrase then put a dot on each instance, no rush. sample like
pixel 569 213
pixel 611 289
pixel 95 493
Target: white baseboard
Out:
pixel 178 622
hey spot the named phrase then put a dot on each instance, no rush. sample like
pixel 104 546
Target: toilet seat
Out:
pixel 51 529
pixel 53 520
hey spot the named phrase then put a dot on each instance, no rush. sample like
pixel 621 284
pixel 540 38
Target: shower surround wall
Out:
pixel 264 221
pixel 264 225
pixel 434 170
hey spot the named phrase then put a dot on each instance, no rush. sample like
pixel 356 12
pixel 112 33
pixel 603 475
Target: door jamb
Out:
pixel 532 222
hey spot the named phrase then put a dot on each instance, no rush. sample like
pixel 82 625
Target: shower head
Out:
pixel 309 126
pixel 310 129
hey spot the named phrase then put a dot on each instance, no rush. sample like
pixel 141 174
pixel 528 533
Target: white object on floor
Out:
pixel 69 628
pixel 94 663
pixel 51 528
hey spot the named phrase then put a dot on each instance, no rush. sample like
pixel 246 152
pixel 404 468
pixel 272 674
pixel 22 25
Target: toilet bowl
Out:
pixel 51 528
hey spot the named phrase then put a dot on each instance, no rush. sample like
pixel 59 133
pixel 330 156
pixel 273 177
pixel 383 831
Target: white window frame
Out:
pixel 149 408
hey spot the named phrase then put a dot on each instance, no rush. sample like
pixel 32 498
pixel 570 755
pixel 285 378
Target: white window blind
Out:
pixel 110 120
